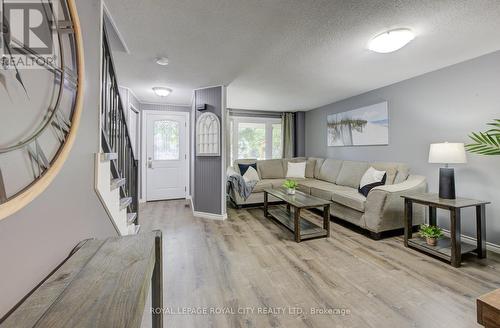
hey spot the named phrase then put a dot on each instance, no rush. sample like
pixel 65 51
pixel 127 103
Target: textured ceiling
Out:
pixel 292 54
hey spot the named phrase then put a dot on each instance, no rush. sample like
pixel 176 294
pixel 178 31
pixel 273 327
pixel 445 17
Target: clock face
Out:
pixel 40 92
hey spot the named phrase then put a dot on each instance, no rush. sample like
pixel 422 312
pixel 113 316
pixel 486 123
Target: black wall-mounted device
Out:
pixel 201 107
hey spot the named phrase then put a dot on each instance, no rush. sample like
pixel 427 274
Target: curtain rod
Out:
pixel 253 113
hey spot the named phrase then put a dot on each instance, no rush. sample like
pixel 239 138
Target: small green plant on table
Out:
pixel 290 186
pixel 430 233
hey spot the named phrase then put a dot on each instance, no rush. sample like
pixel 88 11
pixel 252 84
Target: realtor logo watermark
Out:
pixel 27 38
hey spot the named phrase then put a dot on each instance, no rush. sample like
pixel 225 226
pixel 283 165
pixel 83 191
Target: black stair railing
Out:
pixel 115 137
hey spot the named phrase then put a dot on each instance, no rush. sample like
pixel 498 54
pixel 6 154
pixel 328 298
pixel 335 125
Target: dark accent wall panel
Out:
pixel 300 134
pixel 207 191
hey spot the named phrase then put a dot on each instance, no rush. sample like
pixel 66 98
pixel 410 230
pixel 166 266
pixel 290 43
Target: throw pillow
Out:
pixel 251 175
pixel 296 170
pixel 371 179
pixel 244 167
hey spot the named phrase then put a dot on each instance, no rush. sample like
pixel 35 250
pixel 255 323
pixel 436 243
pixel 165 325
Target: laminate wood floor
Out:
pixel 248 272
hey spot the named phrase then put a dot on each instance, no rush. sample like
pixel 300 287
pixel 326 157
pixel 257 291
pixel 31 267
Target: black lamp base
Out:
pixel 447 183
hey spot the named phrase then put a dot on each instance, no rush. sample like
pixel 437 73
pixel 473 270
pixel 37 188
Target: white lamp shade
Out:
pixel 447 153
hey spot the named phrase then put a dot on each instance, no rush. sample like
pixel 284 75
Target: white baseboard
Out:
pixel 211 216
pixel 472 241
pixel 205 215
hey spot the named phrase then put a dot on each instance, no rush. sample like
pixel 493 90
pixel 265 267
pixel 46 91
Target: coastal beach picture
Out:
pixel 359 127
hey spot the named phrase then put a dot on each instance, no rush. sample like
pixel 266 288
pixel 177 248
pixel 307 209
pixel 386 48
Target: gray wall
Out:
pixel 445 105
pixel 37 238
pixel 207 177
pixel 134 101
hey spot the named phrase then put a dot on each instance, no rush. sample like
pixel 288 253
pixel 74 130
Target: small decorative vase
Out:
pixel 431 241
pixel 290 191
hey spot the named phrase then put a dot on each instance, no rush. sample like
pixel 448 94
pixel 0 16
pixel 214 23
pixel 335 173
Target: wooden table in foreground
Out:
pixel 291 219
pixel 450 249
pixel 104 283
pixel 488 309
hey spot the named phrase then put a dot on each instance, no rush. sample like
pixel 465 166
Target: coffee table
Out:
pixel 302 228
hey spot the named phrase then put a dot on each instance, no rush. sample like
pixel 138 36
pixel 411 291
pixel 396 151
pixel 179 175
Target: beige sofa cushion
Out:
pixel 305 185
pixel 310 165
pixel 276 183
pixel 325 190
pixel 351 173
pixel 330 170
pixel 261 185
pixel 403 173
pixel 271 169
pixel 391 169
pixel 350 198
pixel 318 163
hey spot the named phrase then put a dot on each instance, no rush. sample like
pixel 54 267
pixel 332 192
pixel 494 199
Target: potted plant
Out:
pixel 430 233
pixel 290 186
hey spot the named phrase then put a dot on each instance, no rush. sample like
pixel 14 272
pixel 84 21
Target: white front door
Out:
pixel 166 156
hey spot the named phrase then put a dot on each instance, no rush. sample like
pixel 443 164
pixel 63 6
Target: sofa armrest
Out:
pixel 385 207
pixel 413 182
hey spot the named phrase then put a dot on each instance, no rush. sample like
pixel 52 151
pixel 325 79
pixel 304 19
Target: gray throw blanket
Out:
pixel 236 183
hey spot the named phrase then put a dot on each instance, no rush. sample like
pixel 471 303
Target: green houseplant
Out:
pixel 486 143
pixel 430 233
pixel 290 186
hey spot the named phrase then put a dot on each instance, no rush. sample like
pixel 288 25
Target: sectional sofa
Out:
pixel 338 181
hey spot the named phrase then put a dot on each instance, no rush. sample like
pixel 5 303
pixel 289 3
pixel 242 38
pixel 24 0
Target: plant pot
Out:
pixel 290 191
pixel 431 241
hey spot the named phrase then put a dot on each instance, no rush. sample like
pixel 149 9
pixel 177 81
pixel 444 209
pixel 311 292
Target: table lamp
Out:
pixel 447 153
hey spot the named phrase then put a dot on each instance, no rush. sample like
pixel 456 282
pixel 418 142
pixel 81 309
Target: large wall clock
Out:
pixel 41 90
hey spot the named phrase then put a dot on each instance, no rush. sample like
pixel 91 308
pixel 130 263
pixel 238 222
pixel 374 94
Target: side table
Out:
pixel 448 248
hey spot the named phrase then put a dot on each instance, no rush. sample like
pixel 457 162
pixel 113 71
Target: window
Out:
pixel 259 138
pixel 166 140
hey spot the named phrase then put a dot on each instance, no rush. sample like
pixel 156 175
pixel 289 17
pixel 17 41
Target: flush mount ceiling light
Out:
pixel 391 40
pixel 163 61
pixel 162 92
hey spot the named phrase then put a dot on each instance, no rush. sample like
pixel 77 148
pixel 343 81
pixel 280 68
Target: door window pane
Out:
pixel 252 140
pixel 166 140
pixel 277 141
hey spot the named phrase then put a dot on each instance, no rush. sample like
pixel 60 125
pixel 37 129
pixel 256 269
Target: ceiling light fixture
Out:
pixel 163 61
pixel 162 92
pixel 391 40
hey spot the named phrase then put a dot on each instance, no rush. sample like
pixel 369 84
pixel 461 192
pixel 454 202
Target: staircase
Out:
pixel 116 166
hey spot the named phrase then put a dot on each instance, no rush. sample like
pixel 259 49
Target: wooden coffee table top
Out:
pixel 299 200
